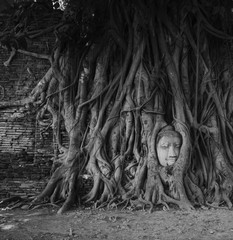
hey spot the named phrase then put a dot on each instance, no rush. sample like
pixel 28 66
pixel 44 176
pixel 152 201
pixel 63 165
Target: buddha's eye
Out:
pixel 164 146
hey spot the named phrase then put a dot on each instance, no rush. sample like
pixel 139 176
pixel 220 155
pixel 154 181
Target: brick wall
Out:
pixel 25 153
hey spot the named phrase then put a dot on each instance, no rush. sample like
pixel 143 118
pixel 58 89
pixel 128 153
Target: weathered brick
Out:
pixel 17 176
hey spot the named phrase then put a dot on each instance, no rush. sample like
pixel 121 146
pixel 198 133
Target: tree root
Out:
pixel 45 205
pixel 12 54
pixel 215 205
pixel 183 205
pixel 193 191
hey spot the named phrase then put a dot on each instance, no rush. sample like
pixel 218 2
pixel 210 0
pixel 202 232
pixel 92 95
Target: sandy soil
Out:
pixel 45 224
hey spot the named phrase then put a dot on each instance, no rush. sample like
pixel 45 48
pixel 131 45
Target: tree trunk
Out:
pixel 120 73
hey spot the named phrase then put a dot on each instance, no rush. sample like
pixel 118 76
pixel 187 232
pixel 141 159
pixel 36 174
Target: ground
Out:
pixel 88 224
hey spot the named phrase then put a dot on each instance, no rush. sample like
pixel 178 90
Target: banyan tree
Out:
pixel 123 74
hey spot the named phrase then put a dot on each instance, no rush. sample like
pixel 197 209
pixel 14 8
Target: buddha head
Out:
pixel 168 146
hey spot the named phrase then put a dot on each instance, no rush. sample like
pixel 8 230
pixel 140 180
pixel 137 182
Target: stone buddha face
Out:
pixel 168 146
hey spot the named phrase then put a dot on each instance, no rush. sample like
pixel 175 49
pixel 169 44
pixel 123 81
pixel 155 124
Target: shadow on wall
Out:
pixel 5 4
pixel 21 176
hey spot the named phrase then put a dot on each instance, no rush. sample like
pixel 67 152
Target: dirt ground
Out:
pixel 85 224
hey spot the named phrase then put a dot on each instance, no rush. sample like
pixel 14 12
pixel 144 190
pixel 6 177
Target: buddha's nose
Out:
pixel 172 152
